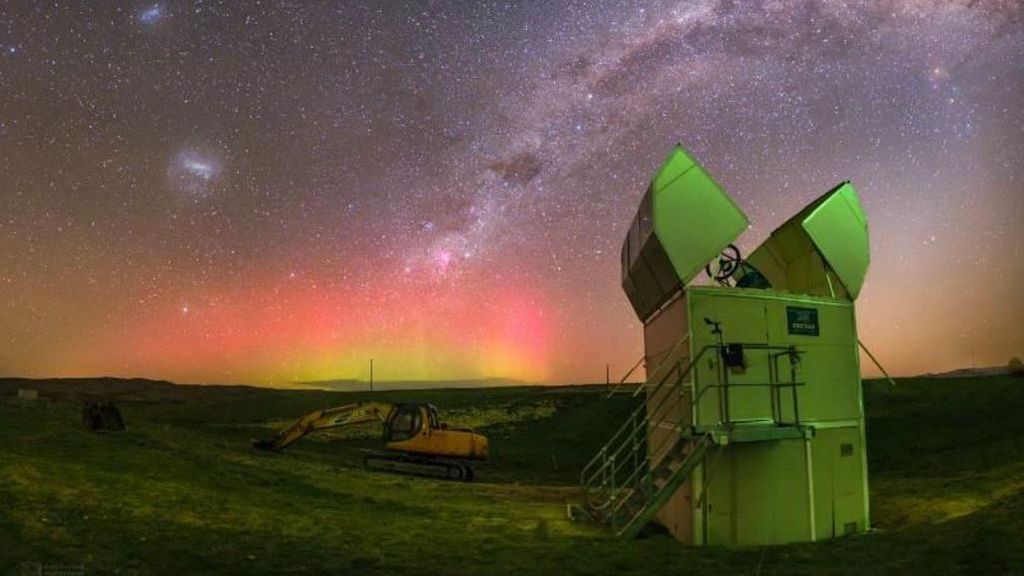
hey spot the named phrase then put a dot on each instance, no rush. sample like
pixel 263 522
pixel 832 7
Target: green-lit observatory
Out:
pixel 753 427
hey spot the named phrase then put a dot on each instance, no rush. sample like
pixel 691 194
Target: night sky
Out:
pixel 269 192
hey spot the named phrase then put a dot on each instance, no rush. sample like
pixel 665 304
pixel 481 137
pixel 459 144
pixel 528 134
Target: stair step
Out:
pixel 667 480
pixel 662 474
pixel 680 446
pixel 626 457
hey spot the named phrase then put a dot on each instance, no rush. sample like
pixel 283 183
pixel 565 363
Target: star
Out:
pixel 417 182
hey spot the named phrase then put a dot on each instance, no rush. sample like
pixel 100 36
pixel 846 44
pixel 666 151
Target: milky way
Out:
pixel 222 191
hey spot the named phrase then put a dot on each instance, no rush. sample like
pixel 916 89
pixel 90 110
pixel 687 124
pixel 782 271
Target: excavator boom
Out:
pixel 329 418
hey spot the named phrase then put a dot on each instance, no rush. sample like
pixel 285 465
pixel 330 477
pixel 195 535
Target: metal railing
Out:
pixel 774 385
pixel 615 389
pixel 663 363
pixel 623 471
pixel 624 467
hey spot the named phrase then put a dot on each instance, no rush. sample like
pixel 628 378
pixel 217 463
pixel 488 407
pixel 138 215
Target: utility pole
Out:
pixel 607 374
pixel 371 374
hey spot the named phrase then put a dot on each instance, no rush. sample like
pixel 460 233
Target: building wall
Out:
pixel 840 485
pixel 829 366
pixel 770 492
pixel 757 494
pixel 661 336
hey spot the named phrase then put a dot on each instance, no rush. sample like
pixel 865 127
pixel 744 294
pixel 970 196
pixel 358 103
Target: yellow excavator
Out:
pixel 416 442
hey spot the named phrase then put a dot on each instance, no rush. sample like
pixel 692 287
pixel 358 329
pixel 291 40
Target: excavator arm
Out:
pixel 323 419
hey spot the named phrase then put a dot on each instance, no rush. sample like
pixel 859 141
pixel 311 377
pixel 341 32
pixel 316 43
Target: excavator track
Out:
pixel 414 465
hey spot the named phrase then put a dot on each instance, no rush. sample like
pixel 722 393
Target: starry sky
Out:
pixel 269 192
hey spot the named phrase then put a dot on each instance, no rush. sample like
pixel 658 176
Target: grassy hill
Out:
pixel 180 492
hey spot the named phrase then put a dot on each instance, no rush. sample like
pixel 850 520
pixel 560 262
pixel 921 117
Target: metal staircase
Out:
pixel 658 448
pixel 650 456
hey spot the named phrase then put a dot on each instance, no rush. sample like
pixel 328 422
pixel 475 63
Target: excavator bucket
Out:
pixel 102 417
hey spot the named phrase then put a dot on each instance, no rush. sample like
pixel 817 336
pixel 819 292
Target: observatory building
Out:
pixel 753 427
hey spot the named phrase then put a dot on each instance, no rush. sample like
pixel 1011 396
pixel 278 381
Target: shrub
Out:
pixel 1016 367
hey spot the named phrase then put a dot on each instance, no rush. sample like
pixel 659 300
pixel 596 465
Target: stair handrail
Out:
pixel 702 438
pixel 650 417
pixel 635 477
pixel 640 475
pixel 788 350
pixel 637 413
pixel 613 464
pixel 685 338
pixel 642 410
pixel 700 446
pixel 622 380
pixel 615 436
pixel 625 426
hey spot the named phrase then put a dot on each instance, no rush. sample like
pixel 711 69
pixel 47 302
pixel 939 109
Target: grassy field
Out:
pixel 181 493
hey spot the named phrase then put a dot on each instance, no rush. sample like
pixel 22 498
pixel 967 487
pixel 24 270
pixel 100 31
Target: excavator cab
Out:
pixel 415 428
pixel 406 422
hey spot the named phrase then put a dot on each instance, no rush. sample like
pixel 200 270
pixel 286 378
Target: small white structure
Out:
pixel 28 395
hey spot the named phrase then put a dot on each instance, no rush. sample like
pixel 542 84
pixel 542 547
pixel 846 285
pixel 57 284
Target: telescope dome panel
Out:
pixel 694 219
pixel 839 228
